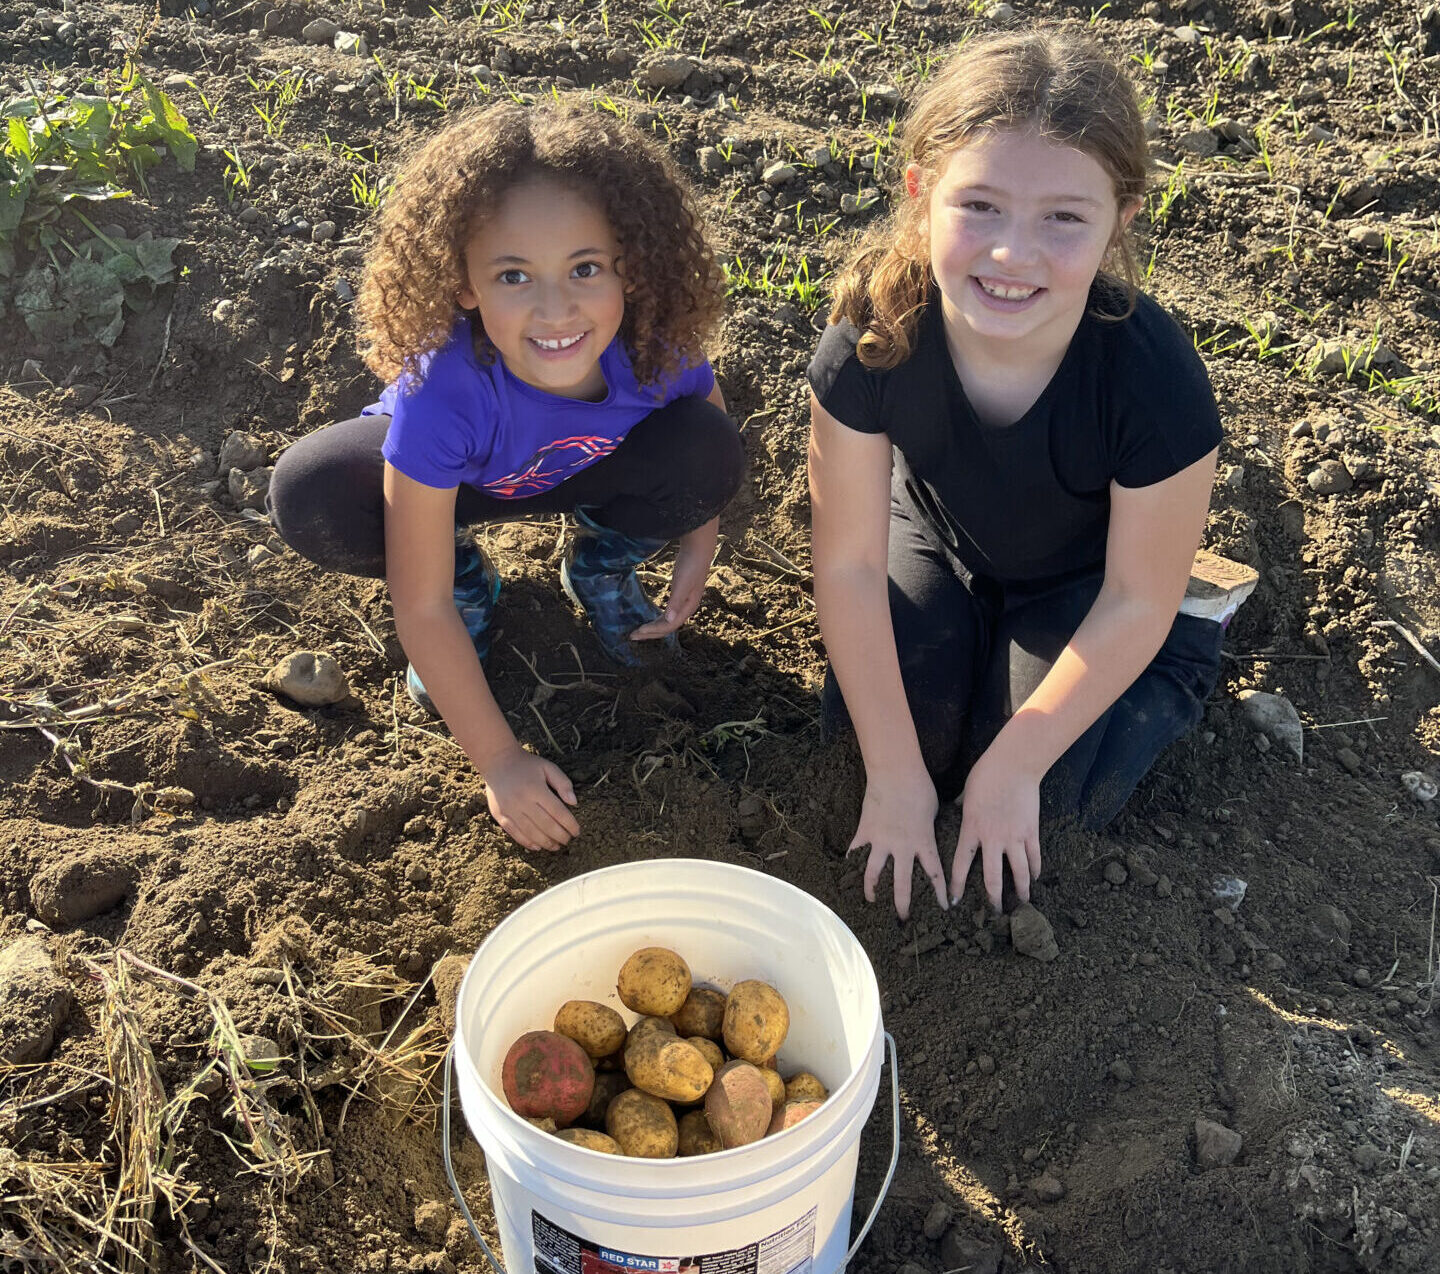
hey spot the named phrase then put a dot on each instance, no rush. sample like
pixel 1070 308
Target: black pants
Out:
pixel 675 470
pixel 972 652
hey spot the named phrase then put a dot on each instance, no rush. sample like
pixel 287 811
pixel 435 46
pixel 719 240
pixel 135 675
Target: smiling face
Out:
pixel 1018 227
pixel 543 271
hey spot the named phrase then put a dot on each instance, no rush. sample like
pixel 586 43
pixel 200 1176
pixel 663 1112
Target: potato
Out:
pixel 703 1013
pixel 803 1086
pixel 738 1104
pixel 654 981
pixel 547 1076
pixel 709 1050
pixel 790 1114
pixel 757 1019
pixel 696 1135
pixel 773 1082
pixel 590 1139
pixel 608 1086
pixel 668 1067
pixel 661 1024
pixel 597 1028
pixel 643 1126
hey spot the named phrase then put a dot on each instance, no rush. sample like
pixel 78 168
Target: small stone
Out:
pixel 937 1220
pixel 986 1064
pixel 249 489
pixel 319 31
pixel 711 161
pixel 1186 35
pixel 1420 786
pixel 310 679
pixel 973 1256
pixel 240 450
pixel 272 21
pixel 1215 1145
pixel 778 173
pixel 223 309
pixel 1115 872
pixel 668 71
pixel 1140 871
pixel 417 874
pixel 1122 1072
pixel 1048 1188
pixel 1000 14
pixel 432 1219
pixel 249 216
pixel 1329 927
pixel 751 816
pixel 1349 759
pixel 1317 134
pixel 259 554
pixel 886 94
pixel 1163 887
pixel 866 198
pixel 34 1002
pixel 1031 934
pixel 322 232
pixel 1367 238
pixel 261 1053
pixel 1329 477
pixel 1200 142
pixel 352 44
pixel 71 891
pixel 1274 716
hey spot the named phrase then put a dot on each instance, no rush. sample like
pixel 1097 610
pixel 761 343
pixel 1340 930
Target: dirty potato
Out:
pixel 803 1086
pixel 668 1067
pixel 590 1139
pixel 696 1135
pixel 654 981
pixel 643 1126
pixel 738 1104
pixel 790 1114
pixel 608 1086
pixel 775 1084
pixel 596 1027
pixel 709 1050
pixel 703 1013
pixel 757 1019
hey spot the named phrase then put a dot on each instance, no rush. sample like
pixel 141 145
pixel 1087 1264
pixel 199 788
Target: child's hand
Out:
pixel 1002 821
pixel 897 820
pixel 687 581
pixel 528 796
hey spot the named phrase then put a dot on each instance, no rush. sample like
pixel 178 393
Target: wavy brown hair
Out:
pixel 1044 79
pixel 415 268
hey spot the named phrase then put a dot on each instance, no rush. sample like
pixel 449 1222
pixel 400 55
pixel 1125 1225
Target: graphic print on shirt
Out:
pixel 551 465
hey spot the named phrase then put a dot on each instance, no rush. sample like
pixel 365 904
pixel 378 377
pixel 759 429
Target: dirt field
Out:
pixel 302 869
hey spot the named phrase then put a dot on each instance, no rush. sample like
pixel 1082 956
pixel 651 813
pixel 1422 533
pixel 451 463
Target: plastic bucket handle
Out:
pixel 849 1256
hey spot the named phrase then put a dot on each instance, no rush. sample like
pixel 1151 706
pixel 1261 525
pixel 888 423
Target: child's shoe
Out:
pixel 598 575
pixel 477 586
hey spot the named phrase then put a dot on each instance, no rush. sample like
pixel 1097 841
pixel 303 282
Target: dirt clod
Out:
pixel 34 1002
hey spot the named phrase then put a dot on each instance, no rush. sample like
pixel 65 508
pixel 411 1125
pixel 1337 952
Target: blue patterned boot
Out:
pixel 477 586
pixel 598 575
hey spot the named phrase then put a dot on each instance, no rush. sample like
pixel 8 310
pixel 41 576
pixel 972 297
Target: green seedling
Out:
pixel 237 174
pixel 1159 203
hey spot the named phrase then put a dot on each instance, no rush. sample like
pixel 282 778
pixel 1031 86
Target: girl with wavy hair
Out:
pixel 537 295
pixel 1011 459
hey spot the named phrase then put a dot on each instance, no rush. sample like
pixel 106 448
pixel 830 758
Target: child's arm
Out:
pixel 527 795
pixel 850 512
pixel 1154 532
pixel 693 556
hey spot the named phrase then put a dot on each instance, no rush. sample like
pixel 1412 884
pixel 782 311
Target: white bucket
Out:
pixel 779 1206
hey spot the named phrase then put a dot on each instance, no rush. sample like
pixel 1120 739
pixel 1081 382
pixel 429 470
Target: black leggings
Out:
pixel 971 654
pixel 675 470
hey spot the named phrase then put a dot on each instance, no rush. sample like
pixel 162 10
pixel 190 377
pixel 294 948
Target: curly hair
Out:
pixel 1043 78
pixel 415 267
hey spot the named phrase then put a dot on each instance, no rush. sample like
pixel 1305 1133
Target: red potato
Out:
pixel 790 1114
pixel 738 1104
pixel 547 1076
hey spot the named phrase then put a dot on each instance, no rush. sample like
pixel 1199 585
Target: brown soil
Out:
pixel 1303 1019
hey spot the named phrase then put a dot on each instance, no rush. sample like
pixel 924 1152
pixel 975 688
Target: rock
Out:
pixel 1215 1145
pixel 432 1219
pixel 937 1220
pixel 223 309
pixel 1031 934
pixel 74 890
pixel 322 232
pixel 973 1256
pixel 446 977
pixel 667 71
pixel 258 554
pixel 886 94
pixel 778 173
pixel 1186 35
pixel 351 44
pixel 34 1002
pixel 1350 759
pixel 310 679
pixel 1048 1188
pixel 1122 1072
pixel 1329 927
pixel 866 198
pixel 1115 872
pixel 248 490
pixel 1329 477
pixel 319 31
pixel 751 817
pixel 418 874
pixel 261 1053
pixel 243 451
pixel 1000 14
pixel 1141 871
pixel 711 161
pixel 1275 717
pixel 1366 237
pixel 272 21
pixel 1421 787
pixel 1200 142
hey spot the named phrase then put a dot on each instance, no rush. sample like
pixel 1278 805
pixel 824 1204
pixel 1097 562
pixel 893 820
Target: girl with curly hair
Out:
pixel 537 295
pixel 1011 458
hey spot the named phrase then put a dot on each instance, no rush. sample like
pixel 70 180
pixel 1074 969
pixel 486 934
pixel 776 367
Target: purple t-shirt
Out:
pixel 476 423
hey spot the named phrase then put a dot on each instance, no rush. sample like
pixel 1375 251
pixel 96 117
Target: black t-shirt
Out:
pixel 1130 403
